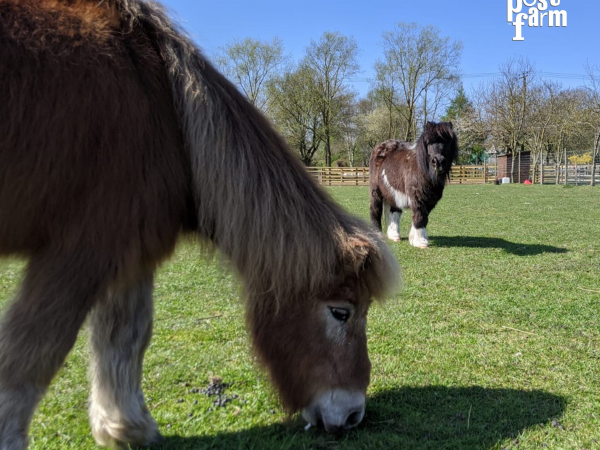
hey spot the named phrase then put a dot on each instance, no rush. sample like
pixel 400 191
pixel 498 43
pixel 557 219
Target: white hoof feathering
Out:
pixel 132 426
pixel 418 237
pixel 393 231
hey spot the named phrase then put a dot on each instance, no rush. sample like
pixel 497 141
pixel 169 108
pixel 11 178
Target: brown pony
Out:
pixel 116 136
pixel 402 176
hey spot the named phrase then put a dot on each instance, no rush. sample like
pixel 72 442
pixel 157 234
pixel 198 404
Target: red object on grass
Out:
pixel 527 182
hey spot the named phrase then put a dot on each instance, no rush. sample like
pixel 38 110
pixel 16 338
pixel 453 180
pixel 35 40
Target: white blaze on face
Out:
pixel 337 409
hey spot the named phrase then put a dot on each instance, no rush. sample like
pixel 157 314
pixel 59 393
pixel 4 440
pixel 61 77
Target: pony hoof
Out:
pixel 421 245
pixel 158 440
pixel 394 238
pixel 121 437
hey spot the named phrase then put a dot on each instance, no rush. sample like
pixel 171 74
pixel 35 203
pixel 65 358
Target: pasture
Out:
pixel 494 341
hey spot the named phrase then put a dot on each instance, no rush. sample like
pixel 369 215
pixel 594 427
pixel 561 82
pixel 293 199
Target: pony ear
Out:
pixel 421 148
pixel 356 257
pixel 429 126
pixel 369 260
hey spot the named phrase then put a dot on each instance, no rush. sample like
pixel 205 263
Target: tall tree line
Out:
pixel 521 111
pixel 417 79
pixel 311 100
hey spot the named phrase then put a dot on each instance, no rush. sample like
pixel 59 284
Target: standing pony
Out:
pixel 116 136
pixel 411 176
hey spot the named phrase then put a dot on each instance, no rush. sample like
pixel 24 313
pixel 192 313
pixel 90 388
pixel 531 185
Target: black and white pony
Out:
pixel 404 175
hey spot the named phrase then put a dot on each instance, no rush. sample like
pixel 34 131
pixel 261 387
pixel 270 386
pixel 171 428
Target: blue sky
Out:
pixel 480 24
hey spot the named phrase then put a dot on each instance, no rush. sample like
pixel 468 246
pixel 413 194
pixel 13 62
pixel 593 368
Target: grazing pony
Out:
pixel 116 136
pixel 411 176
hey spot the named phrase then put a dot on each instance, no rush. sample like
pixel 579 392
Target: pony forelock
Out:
pixel 282 249
pixel 442 132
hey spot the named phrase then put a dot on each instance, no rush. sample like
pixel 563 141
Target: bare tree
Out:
pixel 419 71
pixel 334 59
pixel 568 127
pixel 544 111
pixel 594 109
pixel 249 64
pixel 296 111
pixel 377 123
pixel 506 106
pixel 469 126
pixel 350 129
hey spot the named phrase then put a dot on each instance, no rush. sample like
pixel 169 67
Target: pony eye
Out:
pixel 341 314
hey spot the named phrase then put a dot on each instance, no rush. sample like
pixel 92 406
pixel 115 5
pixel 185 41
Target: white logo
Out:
pixel 534 16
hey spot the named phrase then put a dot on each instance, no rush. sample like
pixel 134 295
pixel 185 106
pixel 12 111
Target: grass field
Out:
pixel 493 343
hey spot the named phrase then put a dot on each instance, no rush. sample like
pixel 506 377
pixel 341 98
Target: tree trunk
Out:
pixel 520 152
pixel 512 167
pixel 327 145
pixel 542 168
pixel 594 156
pixel 566 168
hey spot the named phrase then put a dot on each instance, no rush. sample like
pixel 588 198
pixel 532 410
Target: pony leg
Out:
pixel 37 332
pixel 393 230
pixel 376 209
pixel 121 331
pixel 418 233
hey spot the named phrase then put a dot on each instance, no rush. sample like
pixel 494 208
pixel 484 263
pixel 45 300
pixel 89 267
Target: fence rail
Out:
pixel 340 176
pixel 471 175
pixel 577 174
pixel 359 176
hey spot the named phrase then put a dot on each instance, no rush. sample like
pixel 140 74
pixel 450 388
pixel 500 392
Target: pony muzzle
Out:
pixel 337 410
pixel 438 163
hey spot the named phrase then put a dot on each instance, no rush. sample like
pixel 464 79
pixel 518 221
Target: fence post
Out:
pixel 484 171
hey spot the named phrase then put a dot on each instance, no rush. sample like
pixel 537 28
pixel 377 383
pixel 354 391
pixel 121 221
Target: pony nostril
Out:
pixel 319 421
pixel 336 410
pixel 353 420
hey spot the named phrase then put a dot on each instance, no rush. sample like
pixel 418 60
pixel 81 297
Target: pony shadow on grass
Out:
pixel 432 417
pixel 488 242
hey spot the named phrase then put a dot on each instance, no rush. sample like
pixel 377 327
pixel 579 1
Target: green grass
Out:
pixel 494 341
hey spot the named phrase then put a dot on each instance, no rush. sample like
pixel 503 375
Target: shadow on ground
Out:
pixel 487 242
pixel 434 417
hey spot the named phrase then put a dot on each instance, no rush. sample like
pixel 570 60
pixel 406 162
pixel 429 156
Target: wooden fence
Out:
pixel 576 174
pixel 471 175
pixel 340 176
pixel 359 176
